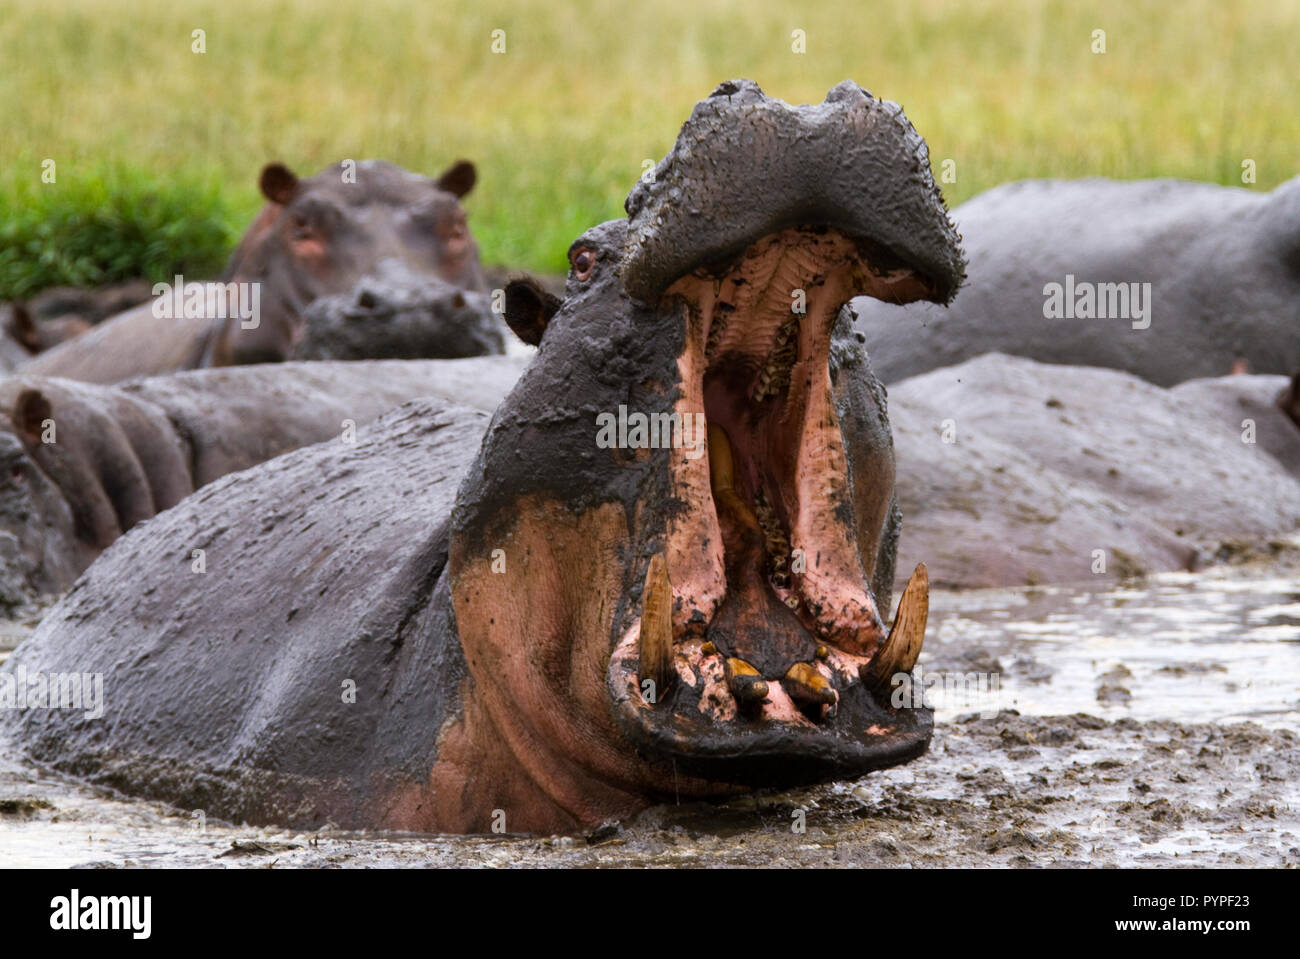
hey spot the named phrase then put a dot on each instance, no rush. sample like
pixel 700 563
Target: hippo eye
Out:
pixel 583 261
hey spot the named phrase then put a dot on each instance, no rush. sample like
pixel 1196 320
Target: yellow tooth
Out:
pixel 807 686
pixel 722 478
pixel 721 468
pixel 901 649
pixel 656 639
pixel 744 682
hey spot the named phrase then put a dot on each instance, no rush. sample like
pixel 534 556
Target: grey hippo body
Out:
pixel 83 463
pixel 537 621
pixel 1013 472
pixel 1222 265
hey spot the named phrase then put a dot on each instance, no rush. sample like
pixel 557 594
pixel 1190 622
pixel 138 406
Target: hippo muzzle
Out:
pixel 759 656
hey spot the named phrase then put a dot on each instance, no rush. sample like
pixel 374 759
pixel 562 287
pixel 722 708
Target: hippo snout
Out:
pixel 747 165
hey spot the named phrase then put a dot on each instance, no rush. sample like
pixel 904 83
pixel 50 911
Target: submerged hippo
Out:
pixel 546 620
pixel 23 334
pixel 313 237
pixel 82 463
pixel 1013 472
pixel 1166 279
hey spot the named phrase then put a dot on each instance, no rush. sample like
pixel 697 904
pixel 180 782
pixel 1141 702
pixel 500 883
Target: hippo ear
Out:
pixel 278 183
pixel 23 329
pixel 459 178
pixel 31 411
pixel 528 309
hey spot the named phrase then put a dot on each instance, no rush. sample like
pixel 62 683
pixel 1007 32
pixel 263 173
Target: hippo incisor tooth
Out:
pixel 745 683
pixel 807 686
pixel 656 639
pixel 901 649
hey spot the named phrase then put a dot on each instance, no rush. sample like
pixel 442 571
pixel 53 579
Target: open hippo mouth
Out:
pixel 759 655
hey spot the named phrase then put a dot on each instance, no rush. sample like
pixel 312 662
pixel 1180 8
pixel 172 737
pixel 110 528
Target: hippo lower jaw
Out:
pixel 759 656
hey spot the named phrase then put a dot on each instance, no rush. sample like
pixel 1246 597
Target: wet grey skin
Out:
pixel 371 565
pixel 1223 264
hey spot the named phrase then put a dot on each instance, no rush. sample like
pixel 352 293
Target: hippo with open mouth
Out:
pixel 463 625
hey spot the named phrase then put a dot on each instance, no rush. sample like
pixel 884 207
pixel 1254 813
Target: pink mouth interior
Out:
pixel 760 370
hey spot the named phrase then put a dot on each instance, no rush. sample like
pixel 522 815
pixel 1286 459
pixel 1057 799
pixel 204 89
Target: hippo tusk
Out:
pixel 808 687
pixel 656 638
pixel 901 649
pixel 745 683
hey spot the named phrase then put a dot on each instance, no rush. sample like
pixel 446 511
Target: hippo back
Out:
pixel 339 658
pixel 134 343
pixel 1222 284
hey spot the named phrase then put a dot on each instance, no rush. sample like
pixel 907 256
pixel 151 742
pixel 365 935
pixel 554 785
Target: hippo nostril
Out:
pixel 367 300
pixel 458 302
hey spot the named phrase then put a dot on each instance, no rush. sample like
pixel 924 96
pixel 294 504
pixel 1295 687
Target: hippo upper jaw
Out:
pixel 747 165
pixel 758 655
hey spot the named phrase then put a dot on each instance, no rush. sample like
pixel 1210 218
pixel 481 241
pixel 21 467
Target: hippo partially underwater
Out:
pixel 525 622
pixel 1166 279
pixel 314 237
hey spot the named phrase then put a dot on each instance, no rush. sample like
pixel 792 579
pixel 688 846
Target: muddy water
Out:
pixel 1152 724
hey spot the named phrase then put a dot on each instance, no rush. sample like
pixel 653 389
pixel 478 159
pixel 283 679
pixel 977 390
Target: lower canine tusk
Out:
pixel 901 649
pixel 656 639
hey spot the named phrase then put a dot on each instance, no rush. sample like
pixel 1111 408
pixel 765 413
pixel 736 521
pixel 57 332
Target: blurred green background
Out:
pixel 158 148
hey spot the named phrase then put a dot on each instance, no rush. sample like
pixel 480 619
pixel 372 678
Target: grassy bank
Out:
pixel 158 147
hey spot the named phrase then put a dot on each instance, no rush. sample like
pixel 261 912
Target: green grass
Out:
pixel 158 148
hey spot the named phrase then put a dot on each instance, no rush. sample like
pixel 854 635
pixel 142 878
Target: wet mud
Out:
pixel 1153 724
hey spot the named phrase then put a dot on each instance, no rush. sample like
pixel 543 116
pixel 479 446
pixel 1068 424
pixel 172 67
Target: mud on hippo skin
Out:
pixel 1223 264
pixel 398 314
pixel 501 640
pixel 314 237
pixel 83 463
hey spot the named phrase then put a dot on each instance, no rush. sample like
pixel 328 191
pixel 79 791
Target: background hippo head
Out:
pixel 680 531
pixel 320 235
